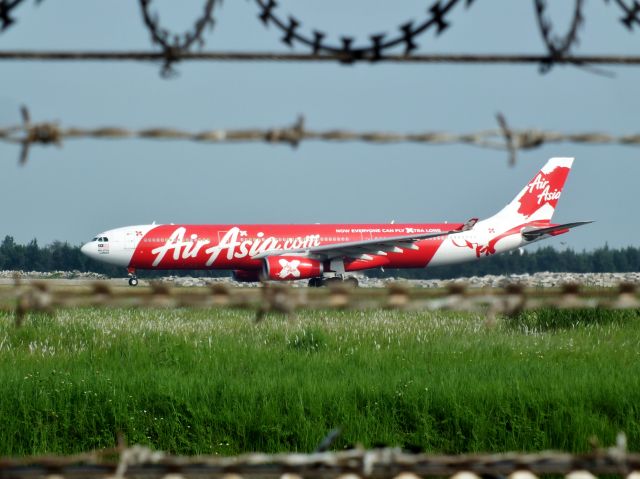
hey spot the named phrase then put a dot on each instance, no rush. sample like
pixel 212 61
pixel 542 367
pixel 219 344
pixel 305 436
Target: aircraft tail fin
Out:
pixel 538 199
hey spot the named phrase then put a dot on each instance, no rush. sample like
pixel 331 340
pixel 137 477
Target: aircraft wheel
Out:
pixel 332 281
pixel 315 282
pixel 133 281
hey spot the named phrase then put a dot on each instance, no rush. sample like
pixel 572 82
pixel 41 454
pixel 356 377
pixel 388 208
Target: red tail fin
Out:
pixel 538 200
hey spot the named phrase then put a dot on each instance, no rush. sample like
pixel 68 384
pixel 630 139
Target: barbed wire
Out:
pixel 177 47
pixel 378 43
pixel 6 8
pixel 36 296
pixel 502 138
pixel 558 46
pixel 174 44
pixel 454 58
pixel 631 13
pixel 355 463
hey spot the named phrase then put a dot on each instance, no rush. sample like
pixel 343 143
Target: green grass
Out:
pixel 214 382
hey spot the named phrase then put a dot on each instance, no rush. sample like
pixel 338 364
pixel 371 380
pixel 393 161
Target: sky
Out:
pixel 88 186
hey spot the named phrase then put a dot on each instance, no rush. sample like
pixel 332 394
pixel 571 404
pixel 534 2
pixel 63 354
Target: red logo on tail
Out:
pixel 544 189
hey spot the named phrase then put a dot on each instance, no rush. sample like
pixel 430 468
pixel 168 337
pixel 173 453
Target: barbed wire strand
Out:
pixel 37 296
pixel 504 138
pixel 153 56
pixel 359 463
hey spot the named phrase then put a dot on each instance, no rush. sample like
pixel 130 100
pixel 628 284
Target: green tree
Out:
pixel 12 253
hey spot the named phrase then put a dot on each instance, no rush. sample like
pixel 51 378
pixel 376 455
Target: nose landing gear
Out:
pixel 133 279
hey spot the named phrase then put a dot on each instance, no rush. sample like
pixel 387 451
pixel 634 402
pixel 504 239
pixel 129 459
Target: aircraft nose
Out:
pixel 88 250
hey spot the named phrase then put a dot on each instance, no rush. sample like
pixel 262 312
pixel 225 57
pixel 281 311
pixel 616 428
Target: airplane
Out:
pixel 324 253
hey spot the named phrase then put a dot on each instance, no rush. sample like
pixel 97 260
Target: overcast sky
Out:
pixel 88 186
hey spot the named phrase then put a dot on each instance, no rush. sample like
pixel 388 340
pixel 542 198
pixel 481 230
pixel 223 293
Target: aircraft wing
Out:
pixel 535 233
pixel 365 249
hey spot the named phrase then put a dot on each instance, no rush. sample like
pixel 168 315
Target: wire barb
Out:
pixel 558 47
pixel 6 7
pixel 41 133
pixel 508 138
pixel 174 45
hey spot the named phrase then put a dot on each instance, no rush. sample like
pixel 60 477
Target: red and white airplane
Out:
pixel 324 253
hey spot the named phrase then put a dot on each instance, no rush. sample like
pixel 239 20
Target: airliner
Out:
pixel 325 253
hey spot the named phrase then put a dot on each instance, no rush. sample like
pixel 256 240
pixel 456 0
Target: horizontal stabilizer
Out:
pixel 536 233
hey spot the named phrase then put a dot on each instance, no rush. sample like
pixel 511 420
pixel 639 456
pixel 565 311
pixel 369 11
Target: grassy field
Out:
pixel 214 382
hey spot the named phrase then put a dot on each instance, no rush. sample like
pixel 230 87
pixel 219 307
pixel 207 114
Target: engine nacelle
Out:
pixel 282 268
pixel 246 275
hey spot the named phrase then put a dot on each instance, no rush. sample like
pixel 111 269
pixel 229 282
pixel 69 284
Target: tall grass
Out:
pixel 214 382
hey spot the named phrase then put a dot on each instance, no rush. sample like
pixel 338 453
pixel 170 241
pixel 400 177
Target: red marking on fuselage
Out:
pixel 233 246
pixel 490 248
pixel 479 249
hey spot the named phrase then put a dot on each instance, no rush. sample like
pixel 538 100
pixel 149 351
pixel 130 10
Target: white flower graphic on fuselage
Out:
pixel 289 268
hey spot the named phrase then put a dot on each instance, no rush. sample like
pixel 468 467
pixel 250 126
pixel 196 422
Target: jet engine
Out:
pixel 281 268
pixel 246 275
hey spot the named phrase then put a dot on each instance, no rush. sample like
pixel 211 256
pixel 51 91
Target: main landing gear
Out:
pixel 333 281
pixel 133 279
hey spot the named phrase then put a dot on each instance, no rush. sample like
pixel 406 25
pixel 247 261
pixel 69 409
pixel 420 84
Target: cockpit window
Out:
pixel 105 239
pixel 94 239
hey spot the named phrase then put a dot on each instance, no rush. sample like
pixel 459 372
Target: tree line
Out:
pixel 61 256
pixel 600 260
